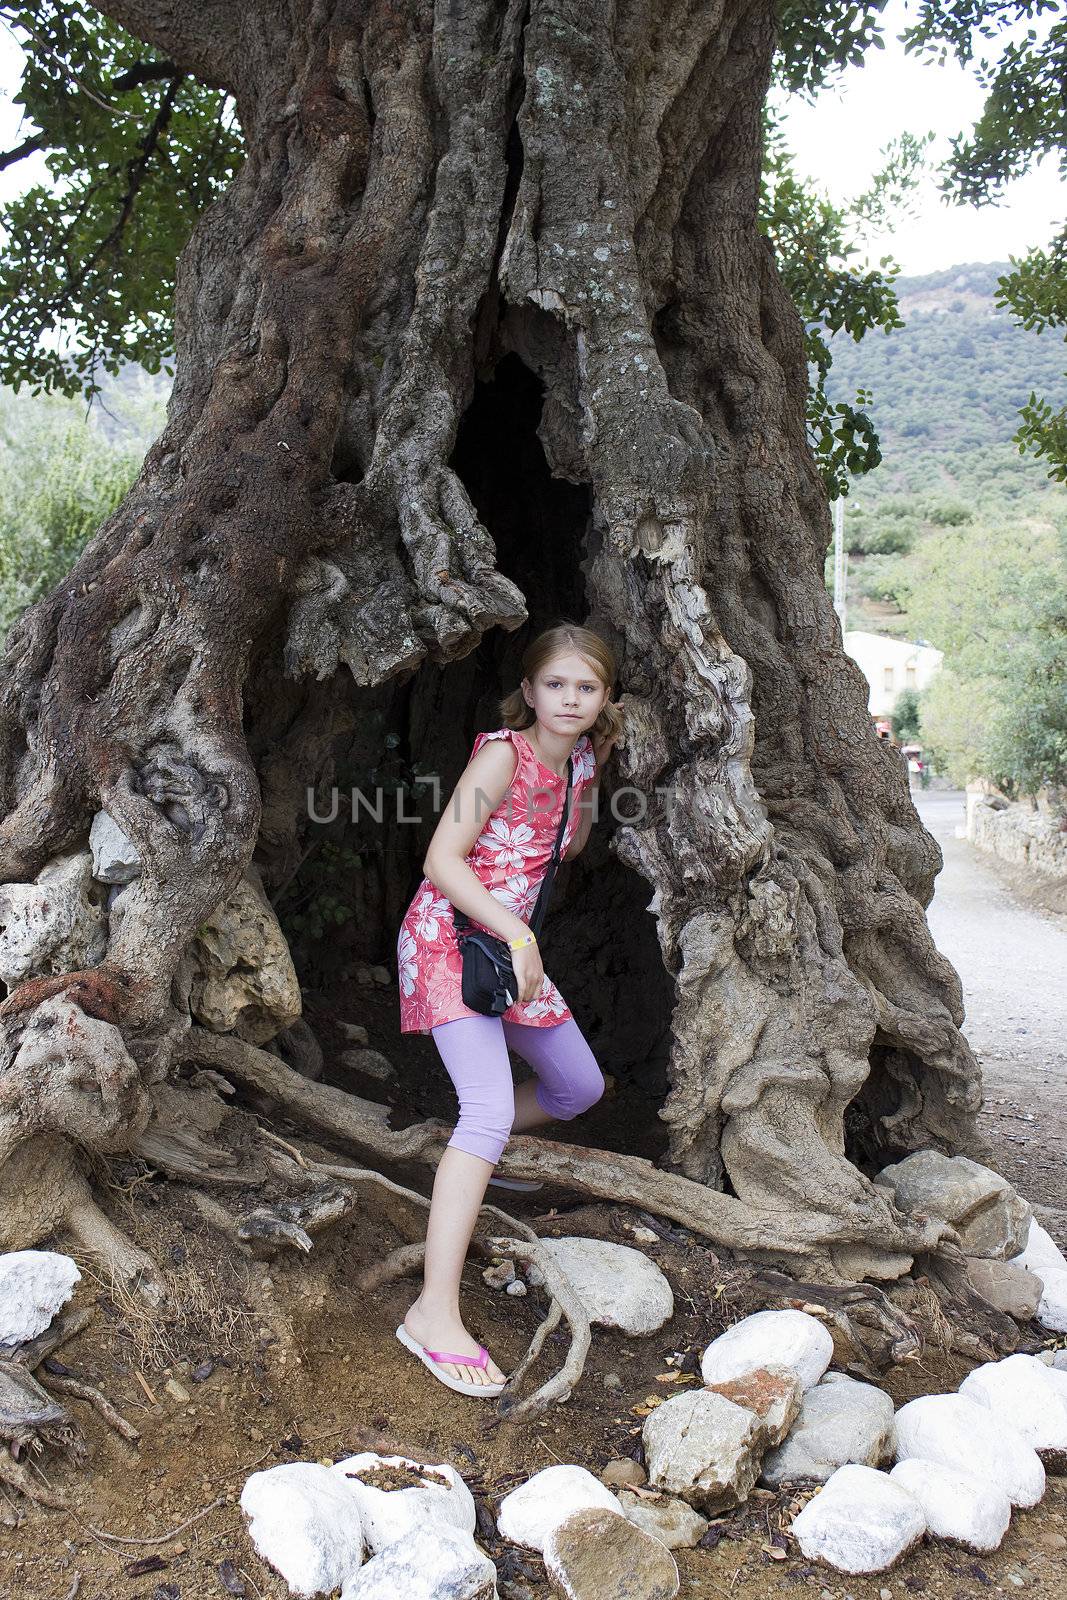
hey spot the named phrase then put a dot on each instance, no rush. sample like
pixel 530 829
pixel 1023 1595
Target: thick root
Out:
pixel 32 1352
pixel 819 1244
pixel 520 1241
pixel 864 1320
pixel 89 1391
pixel 564 1302
pixel 940 1296
pixel 100 1238
pixel 14 1473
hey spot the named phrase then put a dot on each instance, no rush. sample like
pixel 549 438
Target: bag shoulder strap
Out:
pixel 460 918
pixel 546 885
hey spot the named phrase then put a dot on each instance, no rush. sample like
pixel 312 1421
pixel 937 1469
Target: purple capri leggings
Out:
pixel 475 1052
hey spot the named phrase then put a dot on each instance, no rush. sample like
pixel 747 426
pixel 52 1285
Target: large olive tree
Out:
pixel 483 332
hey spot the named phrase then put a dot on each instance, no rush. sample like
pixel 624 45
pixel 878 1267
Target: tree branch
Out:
pixel 26 148
pixel 145 72
pixel 201 37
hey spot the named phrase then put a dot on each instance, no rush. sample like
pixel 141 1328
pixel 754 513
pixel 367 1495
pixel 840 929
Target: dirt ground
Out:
pixel 288 1361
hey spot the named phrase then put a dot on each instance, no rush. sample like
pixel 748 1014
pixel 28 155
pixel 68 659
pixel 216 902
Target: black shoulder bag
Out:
pixel 489 983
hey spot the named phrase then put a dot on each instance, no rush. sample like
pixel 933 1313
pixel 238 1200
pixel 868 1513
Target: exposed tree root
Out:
pixel 31 1352
pixel 14 1473
pixel 408 1258
pixel 89 1391
pixel 563 1301
pixel 812 1239
pixel 864 1320
pixel 30 1420
pixel 30 1416
pixel 966 1323
pixel 402 1262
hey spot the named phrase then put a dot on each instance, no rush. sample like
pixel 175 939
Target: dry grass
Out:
pixel 202 1312
pixel 935 1330
pixel 207 1306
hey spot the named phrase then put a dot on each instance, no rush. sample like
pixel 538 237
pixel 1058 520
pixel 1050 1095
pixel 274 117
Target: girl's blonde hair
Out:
pixel 565 637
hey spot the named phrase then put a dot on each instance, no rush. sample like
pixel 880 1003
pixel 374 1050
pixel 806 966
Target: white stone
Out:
pixel 56 924
pixel 990 1217
pixel 243 980
pixel 34 1285
pixel 672 1522
pixel 1052 1309
pixel 595 1555
pixel 390 1514
pixel 529 1513
pixel 841 1420
pixel 1022 1391
pixel 1041 1251
pixel 956 1506
pixel 434 1563
pixel 115 857
pixel 1056 1369
pixel 770 1338
pixel 860 1521
pixel 957 1432
pixel 703 1448
pixel 618 1286
pixel 773 1395
pixel 305 1522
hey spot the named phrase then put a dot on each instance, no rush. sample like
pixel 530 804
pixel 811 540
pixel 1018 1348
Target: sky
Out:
pixel 837 140
pixel 837 143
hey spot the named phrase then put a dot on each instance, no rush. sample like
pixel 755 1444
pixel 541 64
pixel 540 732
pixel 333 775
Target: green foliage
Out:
pixel 904 718
pixel 813 240
pixel 1023 120
pixel 994 598
pixel 884 532
pixel 321 897
pixel 949 514
pixel 318 903
pixel 956 716
pixel 944 422
pixel 816 41
pixel 881 578
pixel 60 477
pixel 1036 292
pixel 136 150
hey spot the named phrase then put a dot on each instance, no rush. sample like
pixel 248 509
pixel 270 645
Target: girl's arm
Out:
pixel 482 785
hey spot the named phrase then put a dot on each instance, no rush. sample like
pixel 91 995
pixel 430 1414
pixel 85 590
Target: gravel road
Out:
pixel 1006 938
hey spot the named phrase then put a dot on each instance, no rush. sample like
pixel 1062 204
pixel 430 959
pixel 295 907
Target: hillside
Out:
pixel 947 388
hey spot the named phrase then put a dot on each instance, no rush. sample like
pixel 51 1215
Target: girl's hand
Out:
pixel 604 743
pixel 529 973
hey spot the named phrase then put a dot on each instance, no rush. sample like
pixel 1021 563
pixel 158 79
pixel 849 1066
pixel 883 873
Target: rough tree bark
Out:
pixel 542 211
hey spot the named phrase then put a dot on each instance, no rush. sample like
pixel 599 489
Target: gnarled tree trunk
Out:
pixel 483 333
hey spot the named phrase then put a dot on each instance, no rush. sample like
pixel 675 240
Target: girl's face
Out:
pixel 567 694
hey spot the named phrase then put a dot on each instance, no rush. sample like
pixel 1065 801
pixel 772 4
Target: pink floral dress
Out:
pixel 510 856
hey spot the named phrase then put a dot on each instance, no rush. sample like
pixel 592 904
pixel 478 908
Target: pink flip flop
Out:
pixel 431 1358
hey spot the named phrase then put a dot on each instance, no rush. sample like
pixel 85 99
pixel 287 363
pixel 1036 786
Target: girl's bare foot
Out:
pixel 444 1332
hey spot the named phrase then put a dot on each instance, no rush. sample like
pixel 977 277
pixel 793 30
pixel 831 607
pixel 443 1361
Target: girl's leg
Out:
pixel 476 1057
pixel 568 1080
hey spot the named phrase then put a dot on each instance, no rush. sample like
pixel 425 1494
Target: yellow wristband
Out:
pixel 523 939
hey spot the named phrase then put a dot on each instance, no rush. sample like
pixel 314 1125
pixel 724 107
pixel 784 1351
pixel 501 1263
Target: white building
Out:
pixel 890 665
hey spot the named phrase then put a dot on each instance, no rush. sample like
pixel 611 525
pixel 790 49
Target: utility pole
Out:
pixel 839 560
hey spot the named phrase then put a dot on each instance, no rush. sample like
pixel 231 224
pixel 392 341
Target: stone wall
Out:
pixel 1017 832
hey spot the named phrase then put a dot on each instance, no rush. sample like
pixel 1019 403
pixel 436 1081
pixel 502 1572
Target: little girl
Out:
pixel 491 867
